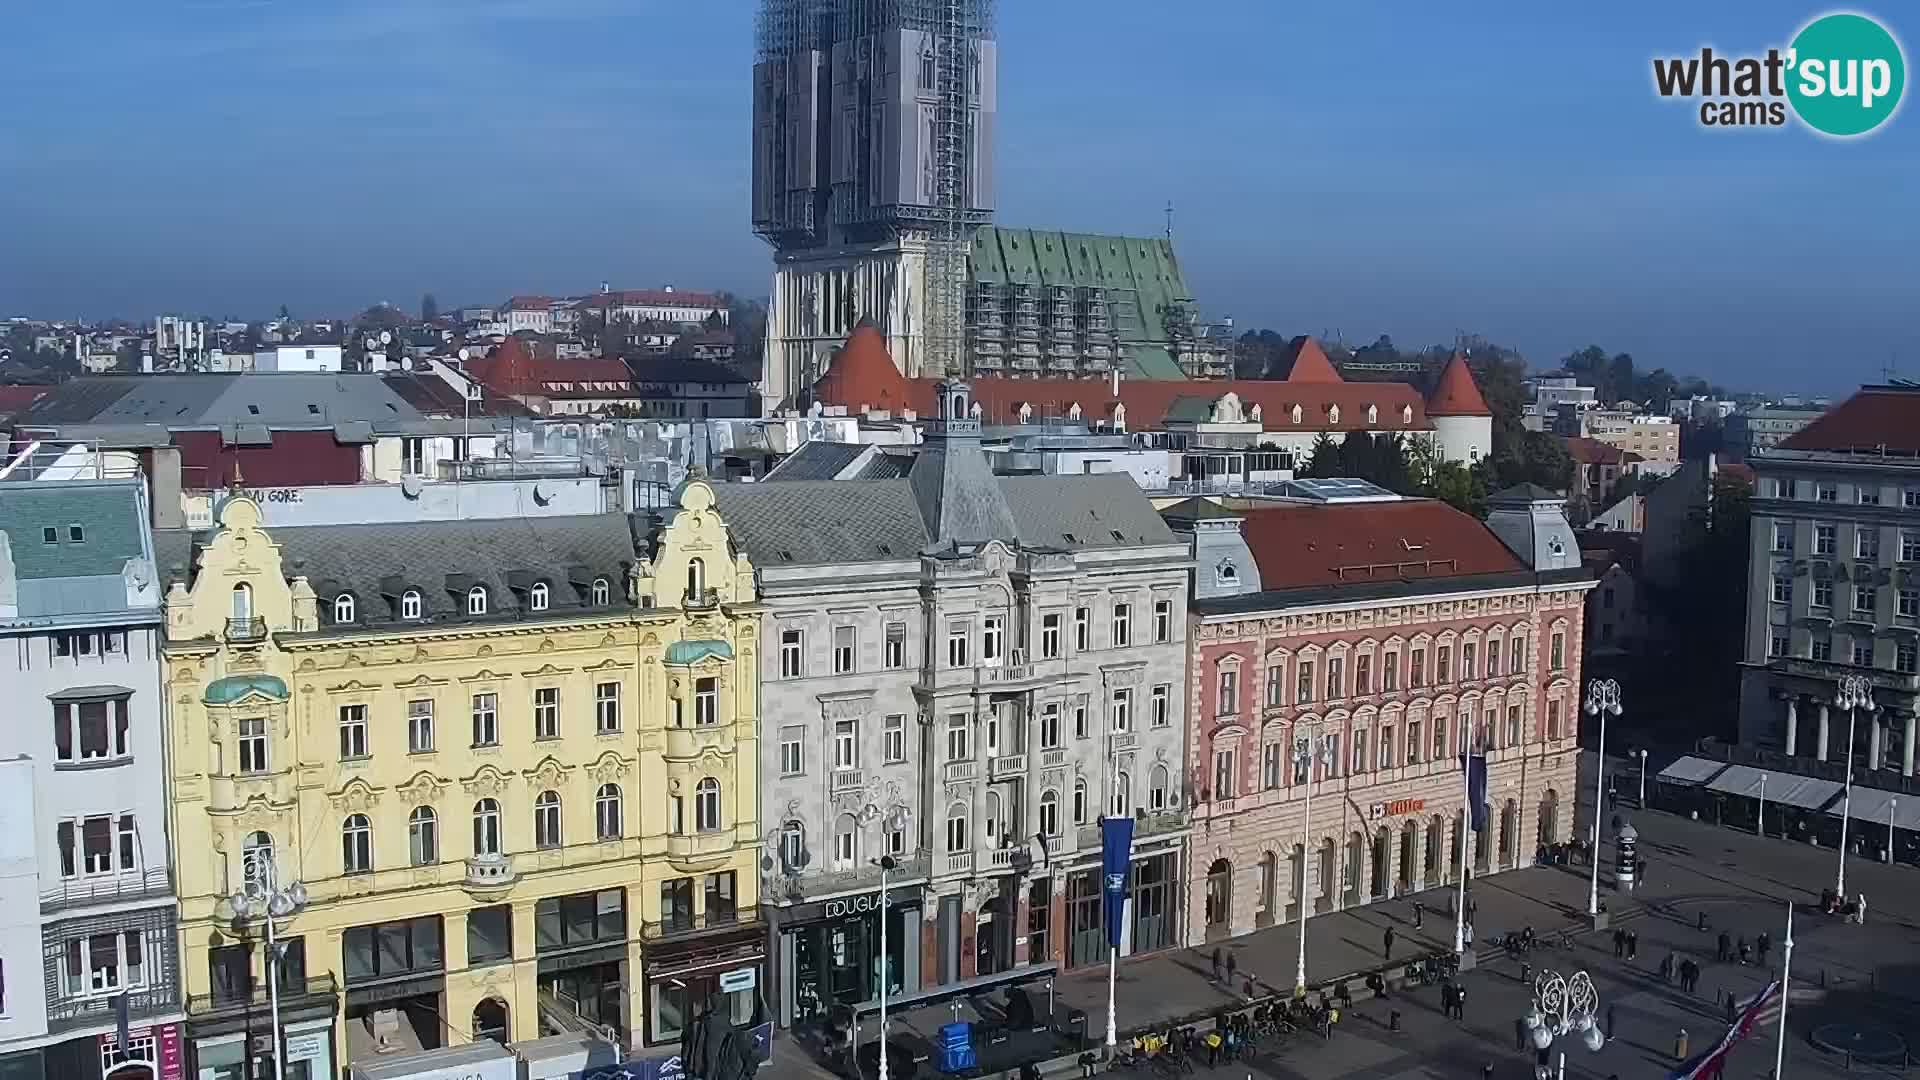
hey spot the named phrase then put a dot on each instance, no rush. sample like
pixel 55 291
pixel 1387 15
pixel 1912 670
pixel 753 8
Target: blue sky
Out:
pixel 1366 168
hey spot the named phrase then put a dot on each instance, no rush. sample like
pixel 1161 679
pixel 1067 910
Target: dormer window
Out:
pixel 477 600
pixel 1298 414
pixel 1333 414
pixel 1226 573
pixel 343 608
pixel 1373 414
pixel 410 604
pixel 602 592
pixel 537 597
pixel 1406 414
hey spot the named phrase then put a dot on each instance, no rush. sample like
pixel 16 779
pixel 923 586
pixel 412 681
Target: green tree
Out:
pixel 1323 461
pixel 1462 488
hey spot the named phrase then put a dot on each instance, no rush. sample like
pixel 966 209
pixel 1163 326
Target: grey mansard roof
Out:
pixel 442 560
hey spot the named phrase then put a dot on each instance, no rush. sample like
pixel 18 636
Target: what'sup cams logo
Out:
pixel 1843 76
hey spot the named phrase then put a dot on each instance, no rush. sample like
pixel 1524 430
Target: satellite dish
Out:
pixel 463 355
pixel 386 337
pixel 410 486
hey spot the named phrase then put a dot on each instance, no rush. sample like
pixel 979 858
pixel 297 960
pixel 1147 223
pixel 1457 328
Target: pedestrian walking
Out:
pixel 1745 952
pixel 1726 947
pixel 1473 907
pixel 1233 968
pixel 1460 1003
pixel 1619 944
pixel 1486 1071
pixel 1633 945
pixel 1419 914
pixel 1666 969
pixel 1613 1029
pixel 1519 1033
pixel 1731 1011
pixel 1446 1000
pixel 1220 967
pixel 1386 944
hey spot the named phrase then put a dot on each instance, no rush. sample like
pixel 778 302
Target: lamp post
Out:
pixel 1603 699
pixel 1308 746
pixel 1562 1006
pixel 261 897
pixel 1642 753
pixel 886 864
pixel 1893 803
pixel 1854 693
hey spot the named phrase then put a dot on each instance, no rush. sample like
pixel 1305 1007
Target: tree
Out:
pixel 284 314
pixel 1323 461
pixel 429 308
pixel 1459 487
pixel 713 321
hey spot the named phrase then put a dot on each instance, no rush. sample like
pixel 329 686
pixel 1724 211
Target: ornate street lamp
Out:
pixel 1564 1006
pixel 1308 746
pixel 1853 694
pixel 261 897
pixel 1603 699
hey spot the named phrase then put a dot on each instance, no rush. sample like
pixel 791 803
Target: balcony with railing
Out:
pixel 66 1013
pixel 489 872
pixel 1007 765
pixel 689 924
pixel 295 994
pixel 106 889
pixel 957 771
pixel 846 879
pixel 959 862
pixel 692 743
pixel 845 780
pixel 246 630
pixel 697 845
pixel 705 598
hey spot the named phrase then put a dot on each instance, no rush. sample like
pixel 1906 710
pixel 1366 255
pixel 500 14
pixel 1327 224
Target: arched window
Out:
pixel 793 846
pixel 706 805
pixel 1157 784
pixel 1050 813
pixel 356 845
pixel 343 608
pixel 1079 802
pixel 477 600
pixel 546 819
pixel 1122 794
pixel 410 604
pixel 696 578
pixel 243 601
pixel 423 836
pixel 957 828
pixel 538 596
pixel 846 842
pixel 606 812
pixel 486 827
pixel 256 858
pixel 602 592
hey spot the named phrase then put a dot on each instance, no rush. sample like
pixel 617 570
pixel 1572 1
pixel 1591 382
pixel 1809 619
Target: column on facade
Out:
pixel 1874 727
pixel 1906 745
pixel 1820 741
pixel 1793 724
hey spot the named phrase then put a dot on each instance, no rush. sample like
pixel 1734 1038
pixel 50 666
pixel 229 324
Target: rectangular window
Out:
pixel 1122 710
pixel 353 732
pixel 1822 649
pixel 791 654
pixel 606 708
pixel 894 735
pixel 1557 653
pixel 1779 645
pixel 91 730
pixel 1360 762
pixel 1122 625
pixel 1443 665
pixel 1467 649
pixel 1049 636
pixel 1162 705
pixel 1417 678
pixel 420 726
pixel 129 843
pixel 1082 629
pixel 1517 656
pixel 486 720
pixel 1273 763
pixel 843 649
pixel 1823 594
pixel 1553 719
pixel 1277 684
pixel 1223 774
pixel 846 744
pixel 1363 674
pixel 1493 658
pixel 1163 620
pixel 1910 545
pixel 1229 691
pixel 1824 539
pixel 1862 654
pixel 1863 598
pixel 896 645
pixel 253 744
pixel 1783 537
pixel 1050 726
pixel 96 845
pixel 1911 499
pixel 546 712
pixel 1513 725
pixel 993 639
pixel 959 737
pixel 1390 672
pixel 1303 682
pixel 1782 589
pixel 1439 738
pixel 706 701
pixel 1413 742
pixel 1866 543
pixel 1905 654
pixel 1336 678
pixel 957 633
pixel 1909 604
pixel 1827 492
pixel 792 755
pixel 1081 729
pixel 1386 746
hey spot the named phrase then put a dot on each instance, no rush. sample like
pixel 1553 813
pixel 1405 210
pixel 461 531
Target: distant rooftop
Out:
pixel 1332 489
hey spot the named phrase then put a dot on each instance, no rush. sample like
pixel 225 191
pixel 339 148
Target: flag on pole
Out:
pixel 1116 857
pixel 1476 767
pixel 1763 1008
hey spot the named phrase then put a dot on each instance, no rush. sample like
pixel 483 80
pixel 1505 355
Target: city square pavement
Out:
pixel 1742 883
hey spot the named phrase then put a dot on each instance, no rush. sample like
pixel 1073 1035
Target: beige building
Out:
pixel 510 764
pixel 1655 438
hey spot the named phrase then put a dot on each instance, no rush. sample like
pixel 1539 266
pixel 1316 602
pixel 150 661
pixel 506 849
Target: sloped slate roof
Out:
pixel 822 522
pixel 274 399
pixel 1078 513
pixel 816 460
pixel 108 515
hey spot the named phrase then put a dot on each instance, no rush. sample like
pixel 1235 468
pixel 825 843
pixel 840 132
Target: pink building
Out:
pixel 1381 632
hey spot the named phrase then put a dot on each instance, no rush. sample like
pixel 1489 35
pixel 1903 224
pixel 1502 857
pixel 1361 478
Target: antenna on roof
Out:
pixel 1169 221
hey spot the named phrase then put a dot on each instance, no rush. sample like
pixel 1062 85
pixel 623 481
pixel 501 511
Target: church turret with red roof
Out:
pixel 1462 423
pixel 863 377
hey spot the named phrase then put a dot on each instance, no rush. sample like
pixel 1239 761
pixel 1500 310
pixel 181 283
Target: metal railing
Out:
pixel 68 892
pixel 246 629
pixel 67 1012
pixel 292 992
pixel 711 919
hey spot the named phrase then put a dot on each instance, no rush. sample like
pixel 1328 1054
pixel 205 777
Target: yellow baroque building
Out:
pixel 485 779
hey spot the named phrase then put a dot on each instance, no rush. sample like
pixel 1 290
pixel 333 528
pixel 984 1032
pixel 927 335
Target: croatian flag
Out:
pixel 1764 1008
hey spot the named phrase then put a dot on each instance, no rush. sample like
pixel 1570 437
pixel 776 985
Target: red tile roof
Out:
pixel 1346 544
pixel 654 298
pixel 1738 471
pixel 520 369
pixel 15 398
pixel 866 376
pixel 1586 451
pixel 1457 394
pixel 1310 363
pixel 531 303
pixel 1874 418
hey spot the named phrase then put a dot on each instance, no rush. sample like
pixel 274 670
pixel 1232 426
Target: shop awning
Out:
pixel 1690 771
pixel 1805 792
pixel 1742 780
pixel 1870 805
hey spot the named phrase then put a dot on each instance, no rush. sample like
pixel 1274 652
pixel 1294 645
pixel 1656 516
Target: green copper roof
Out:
pixel 689 652
pixel 234 687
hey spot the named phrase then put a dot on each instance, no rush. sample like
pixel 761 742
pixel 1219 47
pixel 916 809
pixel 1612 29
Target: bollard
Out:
pixel 1680 1046
pixel 1393 1020
pixel 1700 922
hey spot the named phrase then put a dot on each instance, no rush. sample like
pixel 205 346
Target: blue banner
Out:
pixel 1116 856
pixel 1476 766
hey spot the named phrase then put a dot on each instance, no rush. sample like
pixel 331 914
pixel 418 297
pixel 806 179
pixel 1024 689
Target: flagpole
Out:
pixel 1466 799
pixel 1786 991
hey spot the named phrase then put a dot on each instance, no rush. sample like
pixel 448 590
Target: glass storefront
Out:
pixel 1151 890
pixel 835 959
pixel 1153 903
